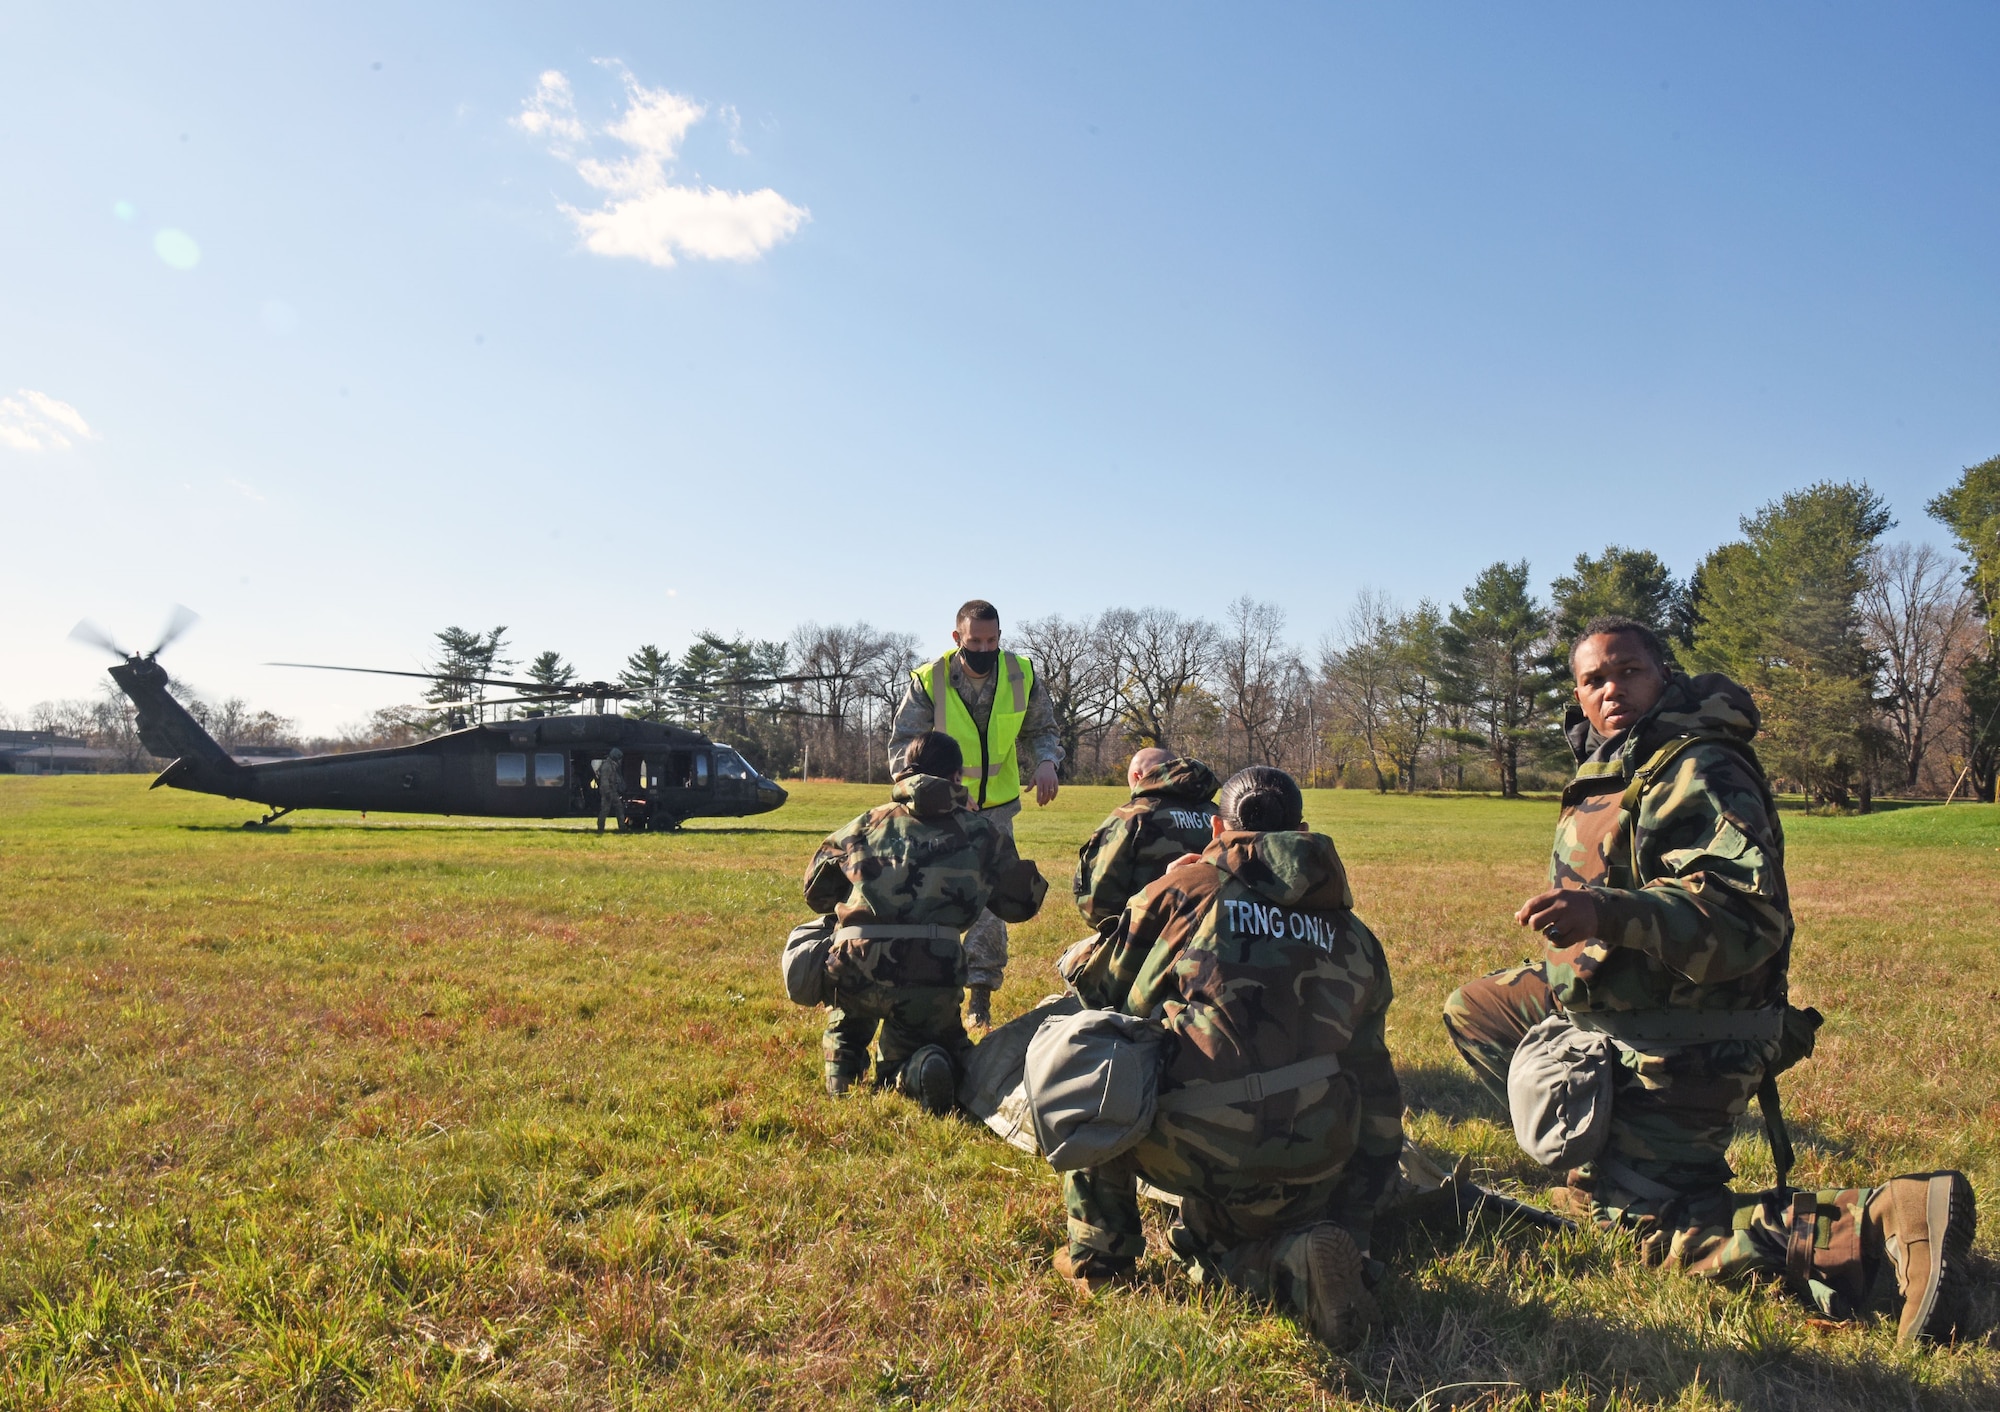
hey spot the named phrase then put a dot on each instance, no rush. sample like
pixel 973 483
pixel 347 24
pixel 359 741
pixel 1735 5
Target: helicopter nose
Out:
pixel 770 795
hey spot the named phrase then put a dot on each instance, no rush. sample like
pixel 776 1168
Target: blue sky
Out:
pixel 1148 304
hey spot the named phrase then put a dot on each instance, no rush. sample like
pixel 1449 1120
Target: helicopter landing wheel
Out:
pixel 268 819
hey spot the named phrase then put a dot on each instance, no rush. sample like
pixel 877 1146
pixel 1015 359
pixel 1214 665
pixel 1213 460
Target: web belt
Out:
pixel 1250 1087
pixel 1682 1026
pixel 890 931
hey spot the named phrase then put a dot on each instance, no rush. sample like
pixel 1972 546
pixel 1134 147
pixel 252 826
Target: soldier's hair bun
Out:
pixel 1261 798
pixel 932 753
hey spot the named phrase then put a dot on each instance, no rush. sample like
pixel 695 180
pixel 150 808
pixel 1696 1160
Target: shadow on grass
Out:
pixel 1451 1336
pixel 1448 1090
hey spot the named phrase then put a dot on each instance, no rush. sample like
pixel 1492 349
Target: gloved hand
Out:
pixel 979 1007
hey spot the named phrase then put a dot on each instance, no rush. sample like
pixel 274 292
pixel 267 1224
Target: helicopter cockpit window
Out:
pixel 731 766
pixel 699 777
pixel 510 768
pixel 549 769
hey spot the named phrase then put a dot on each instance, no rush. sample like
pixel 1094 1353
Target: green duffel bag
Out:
pixel 1093 1085
pixel 803 962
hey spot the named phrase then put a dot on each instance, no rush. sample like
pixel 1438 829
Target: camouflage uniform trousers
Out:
pixel 986 938
pixel 1673 1113
pixel 909 1017
pixel 1258 1246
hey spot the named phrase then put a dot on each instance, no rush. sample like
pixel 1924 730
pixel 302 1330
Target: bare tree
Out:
pixel 845 667
pixel 1163 661
pixel 1359 670
pixel 1915 609
pixel 1253 668
pixel 1072 661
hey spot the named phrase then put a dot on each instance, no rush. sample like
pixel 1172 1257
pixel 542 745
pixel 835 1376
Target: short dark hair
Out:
pixel 976 610
pixel 1614 625
pixel 932 753
pixel 1262 798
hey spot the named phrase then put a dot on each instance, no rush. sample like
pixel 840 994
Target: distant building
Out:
pixel 46 753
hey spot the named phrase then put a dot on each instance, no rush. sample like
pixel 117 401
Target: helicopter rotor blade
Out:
pixel 451 677
pixel 92 635
pixel 182 618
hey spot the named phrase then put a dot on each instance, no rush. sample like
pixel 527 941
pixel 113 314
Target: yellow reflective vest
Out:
pixel 992 767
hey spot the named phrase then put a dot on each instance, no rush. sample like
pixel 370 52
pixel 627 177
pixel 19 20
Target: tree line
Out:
pixel 1876 667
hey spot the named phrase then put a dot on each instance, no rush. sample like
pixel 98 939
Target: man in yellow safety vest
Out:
pixel 987 700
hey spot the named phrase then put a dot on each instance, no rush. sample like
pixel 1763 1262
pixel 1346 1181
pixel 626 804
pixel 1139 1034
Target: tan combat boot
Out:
pixel 1924 1225
pixel 1092 1273
pixel 1339 1307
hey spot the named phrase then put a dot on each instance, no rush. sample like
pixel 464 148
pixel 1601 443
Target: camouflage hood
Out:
pixel 1709 704
pixel 1181 778
pixel 1289 868
pixel 929 796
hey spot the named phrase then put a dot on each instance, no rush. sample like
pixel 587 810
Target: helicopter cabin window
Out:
pixel 510 768
pixel 549 769
pixel 731 766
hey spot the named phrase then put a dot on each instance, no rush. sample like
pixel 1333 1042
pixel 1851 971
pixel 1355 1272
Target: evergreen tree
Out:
pixel 1627 583
pixel 649 674
pixel 1496 644
pixel 1778 611
pixel 1971 511
pixel 549 672
pixel 463 658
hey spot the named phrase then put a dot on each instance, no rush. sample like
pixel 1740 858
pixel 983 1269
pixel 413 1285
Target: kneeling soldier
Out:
pixel 1280 1118
pixel 1169 816
pixel 904 881
pixel 1668 932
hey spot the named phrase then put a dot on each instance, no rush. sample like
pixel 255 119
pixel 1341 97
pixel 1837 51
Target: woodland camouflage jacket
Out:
pixel 922 859
pixel 1167 818
pixel 1696 916
pixel 1254 959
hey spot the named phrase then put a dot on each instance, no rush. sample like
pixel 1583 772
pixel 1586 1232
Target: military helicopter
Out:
pixel 544 767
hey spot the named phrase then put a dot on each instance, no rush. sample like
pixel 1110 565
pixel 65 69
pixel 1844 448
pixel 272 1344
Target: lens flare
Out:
pixel 124 210
pixel 177 249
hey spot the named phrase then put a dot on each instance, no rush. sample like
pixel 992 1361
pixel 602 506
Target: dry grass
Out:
pixel 401 1114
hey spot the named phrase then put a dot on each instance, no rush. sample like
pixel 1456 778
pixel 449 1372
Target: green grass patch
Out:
pixel 409 1113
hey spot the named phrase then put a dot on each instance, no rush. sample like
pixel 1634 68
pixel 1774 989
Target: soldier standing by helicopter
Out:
pixel 987 700
pixel 611 789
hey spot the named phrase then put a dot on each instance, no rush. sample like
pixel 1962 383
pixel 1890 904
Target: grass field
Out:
pixel 423 1114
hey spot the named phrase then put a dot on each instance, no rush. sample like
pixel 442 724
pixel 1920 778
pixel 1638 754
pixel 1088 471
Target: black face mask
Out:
pixel 979 662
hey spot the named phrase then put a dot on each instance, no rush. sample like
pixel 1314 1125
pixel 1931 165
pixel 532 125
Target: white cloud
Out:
pixel 35 421
pixel 646 215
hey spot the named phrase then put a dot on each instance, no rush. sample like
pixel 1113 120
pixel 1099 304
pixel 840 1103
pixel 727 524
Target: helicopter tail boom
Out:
pixel 168 731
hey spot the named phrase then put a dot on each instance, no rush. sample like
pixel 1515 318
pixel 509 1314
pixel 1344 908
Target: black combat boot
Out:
pixel 928 1077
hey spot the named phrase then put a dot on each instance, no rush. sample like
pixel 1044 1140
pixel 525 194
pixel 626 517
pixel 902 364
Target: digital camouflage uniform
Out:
pixel 986 941
pixel 1168 817
pixel 1705 926
pixel 1255 960
pixel 923 859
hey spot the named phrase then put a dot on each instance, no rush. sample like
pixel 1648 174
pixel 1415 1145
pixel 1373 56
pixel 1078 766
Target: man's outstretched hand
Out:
pixel 1045 782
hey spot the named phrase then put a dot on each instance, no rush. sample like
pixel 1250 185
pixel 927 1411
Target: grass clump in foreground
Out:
pixel 411 1114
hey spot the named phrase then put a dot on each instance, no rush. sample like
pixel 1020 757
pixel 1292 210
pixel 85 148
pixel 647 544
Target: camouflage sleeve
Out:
pixel 1379 1151
pixel 1714 905
pixel 1104 869
pixel 1107 979
pixel 1038 727
pixel 827 883
pixel 914 715
pixel 1018 885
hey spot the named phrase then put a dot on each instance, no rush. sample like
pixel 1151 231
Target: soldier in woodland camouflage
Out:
pixel 1168 817
pixel 1253 956
pixel 1668 929
pixel 903 882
